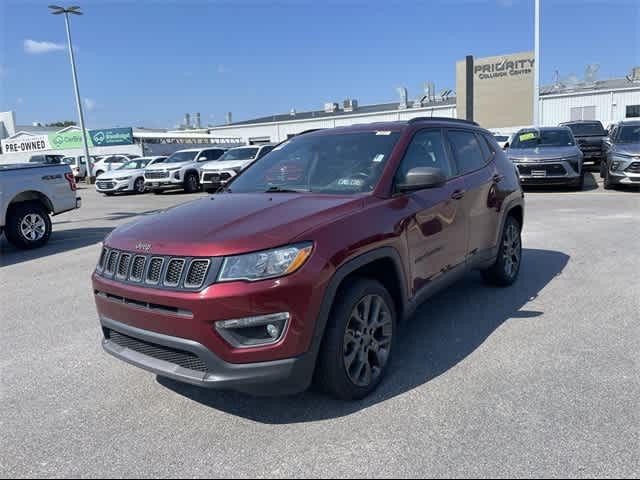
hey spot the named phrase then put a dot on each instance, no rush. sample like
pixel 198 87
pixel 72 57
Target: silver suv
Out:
pixel 181 170
pixel 622 163
pixel 547 156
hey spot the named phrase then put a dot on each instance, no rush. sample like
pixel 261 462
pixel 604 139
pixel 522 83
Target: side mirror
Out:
pixel 421 178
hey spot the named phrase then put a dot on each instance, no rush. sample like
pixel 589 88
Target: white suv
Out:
pixel 181 170
pixel 217 174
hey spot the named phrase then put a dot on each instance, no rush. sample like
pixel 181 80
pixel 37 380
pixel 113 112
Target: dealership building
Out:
pixel 502 100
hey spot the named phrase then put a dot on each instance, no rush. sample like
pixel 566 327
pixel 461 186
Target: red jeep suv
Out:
pixel 307 264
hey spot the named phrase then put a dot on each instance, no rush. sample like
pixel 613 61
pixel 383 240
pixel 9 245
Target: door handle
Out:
pixel 458 194
pixel 497 178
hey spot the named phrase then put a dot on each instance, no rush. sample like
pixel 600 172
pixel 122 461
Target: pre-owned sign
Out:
pixel 26 143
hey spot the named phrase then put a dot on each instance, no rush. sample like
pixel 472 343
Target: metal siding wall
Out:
pixel 558 109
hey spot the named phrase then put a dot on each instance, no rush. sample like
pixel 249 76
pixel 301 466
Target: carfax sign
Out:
pixel 111 136
pixel 68 139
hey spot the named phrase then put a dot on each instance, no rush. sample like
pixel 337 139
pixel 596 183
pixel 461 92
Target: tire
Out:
pixel 350 349
pixel 603 168
pixel 191 183
pixel 138 186
pixel 608 184
pixel 28 225
pixel 505 270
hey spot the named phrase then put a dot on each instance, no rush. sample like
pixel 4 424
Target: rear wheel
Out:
pixel 358 341
pixel 28 225
pixel 191 183
pixel 138 186
pixel 505 270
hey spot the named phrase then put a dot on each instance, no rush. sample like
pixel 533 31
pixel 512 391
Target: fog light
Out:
pixel 615 166
pixel 253 331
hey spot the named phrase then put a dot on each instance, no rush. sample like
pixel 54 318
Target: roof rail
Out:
pixel 443 119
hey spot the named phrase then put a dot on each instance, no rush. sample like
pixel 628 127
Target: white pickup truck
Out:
pixel 29 194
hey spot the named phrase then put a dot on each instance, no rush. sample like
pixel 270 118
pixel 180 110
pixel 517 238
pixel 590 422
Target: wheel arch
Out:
pixel 28 196
pixel 382 264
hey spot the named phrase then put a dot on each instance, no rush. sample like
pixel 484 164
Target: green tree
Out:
pixel 63 124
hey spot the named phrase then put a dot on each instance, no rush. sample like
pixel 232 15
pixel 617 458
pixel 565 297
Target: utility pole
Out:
pixel 536 68
pixel 76 11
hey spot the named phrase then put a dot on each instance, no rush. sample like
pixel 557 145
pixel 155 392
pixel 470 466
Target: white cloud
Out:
pixel 35 48
pixel 89 104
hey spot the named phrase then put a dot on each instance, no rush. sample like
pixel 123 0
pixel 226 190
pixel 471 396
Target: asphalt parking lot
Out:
pixel 540 379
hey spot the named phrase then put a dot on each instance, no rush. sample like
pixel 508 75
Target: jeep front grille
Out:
pixel 157 271
pixel 174 272
pixel 137 270
pixel 197 273
pixel 123 265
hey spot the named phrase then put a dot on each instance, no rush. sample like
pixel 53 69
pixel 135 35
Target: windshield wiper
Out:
pixel 286 190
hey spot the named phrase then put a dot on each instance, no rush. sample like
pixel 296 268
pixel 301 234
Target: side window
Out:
pixel 492 145
pixel 466 151
pixel 427 149
pixel 110 160
pixel 264 151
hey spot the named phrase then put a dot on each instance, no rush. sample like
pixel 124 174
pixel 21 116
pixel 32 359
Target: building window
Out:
pixel 583 113
pixel 633 111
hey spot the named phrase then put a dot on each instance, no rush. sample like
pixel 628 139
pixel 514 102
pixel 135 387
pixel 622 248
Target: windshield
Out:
pixel 587 129
pixel 135 164
pixel 332 163
pixel 180 157
pixel 629 134
pixel 248 153
pixel 543 138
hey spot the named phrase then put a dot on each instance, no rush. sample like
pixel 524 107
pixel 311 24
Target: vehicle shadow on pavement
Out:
pixel 443 332
pixel 60 241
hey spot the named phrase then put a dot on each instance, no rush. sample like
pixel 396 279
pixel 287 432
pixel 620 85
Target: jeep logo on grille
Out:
pixel 144 246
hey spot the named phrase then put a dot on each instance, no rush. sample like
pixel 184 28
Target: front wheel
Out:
pixel 138 186
pixel 28 225
pixel 359 339
pixel 191 183
pixel 505 270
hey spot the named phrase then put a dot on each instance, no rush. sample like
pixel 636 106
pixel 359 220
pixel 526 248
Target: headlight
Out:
pixel 120 179
pixel 265 264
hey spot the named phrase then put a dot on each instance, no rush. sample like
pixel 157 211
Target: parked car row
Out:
pixel 558 155
pixel 188 170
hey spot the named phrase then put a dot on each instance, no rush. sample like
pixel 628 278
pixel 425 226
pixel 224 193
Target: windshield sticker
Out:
pixel 351 182
pixel 383 132
pixel 378 158
pixel 527 136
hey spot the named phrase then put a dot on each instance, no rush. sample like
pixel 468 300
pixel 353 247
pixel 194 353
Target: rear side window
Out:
pixel 466 150
pixel 211 154
pixel 427 149
pixel 264 151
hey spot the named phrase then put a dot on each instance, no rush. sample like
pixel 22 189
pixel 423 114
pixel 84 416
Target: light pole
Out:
pixel 76 11
pixel 536 67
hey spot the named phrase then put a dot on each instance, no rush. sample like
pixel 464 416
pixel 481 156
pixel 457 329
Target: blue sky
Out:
pixel 146 63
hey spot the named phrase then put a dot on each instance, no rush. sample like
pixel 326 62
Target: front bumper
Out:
pixel 557 172
pixel 190 362
pixel 163 183
pixel 113 186
pixel 627 173
pixel 216 179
